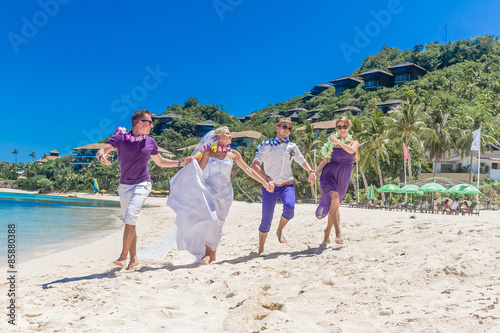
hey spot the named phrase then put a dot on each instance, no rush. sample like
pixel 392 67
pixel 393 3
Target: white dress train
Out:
pixel 201 199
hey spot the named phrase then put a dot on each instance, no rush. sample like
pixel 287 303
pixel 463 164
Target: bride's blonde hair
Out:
pixel 219 130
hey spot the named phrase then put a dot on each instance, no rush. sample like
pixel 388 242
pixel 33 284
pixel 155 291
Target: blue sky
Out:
pixel 72 71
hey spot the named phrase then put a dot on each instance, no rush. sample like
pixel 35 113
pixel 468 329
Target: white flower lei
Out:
pixel 327 149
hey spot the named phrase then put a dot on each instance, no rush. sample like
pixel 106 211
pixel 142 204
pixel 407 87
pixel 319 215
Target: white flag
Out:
pixel 476 138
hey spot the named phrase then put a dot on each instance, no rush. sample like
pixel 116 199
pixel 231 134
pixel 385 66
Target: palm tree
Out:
pixel 407 122
pixel 307 141
pixel 437 139
pixel 32 155
pixel 464 142
pixel 373 143
pixel 356 130
pixel 16 153
pixel 245 183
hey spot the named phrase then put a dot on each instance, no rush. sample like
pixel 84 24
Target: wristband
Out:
pixel 268 179
pixel 99 158
pixel 179 163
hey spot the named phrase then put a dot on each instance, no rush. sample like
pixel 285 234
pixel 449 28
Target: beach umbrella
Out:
pixel 389 188
pixel 410 188
pixel 463 189
pixel 371 192
pixel 433 187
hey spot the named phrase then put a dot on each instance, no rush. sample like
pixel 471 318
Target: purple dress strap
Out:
pixel 335 177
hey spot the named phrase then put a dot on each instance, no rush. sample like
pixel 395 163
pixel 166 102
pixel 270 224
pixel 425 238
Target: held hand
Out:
pixel 186 160
pixel 269 187
pixel 104 159
pixel 312 178
pixel 335 140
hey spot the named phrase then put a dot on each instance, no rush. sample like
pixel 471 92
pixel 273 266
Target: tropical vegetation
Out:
pixel 459 94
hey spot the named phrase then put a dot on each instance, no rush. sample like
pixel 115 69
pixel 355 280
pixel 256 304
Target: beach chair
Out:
pixel 415 207
pixel 401 206
pixel 473 209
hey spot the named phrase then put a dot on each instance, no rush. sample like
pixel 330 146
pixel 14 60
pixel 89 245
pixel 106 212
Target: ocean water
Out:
pixel 44 222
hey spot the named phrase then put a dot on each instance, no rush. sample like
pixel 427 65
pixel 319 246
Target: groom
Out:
pixel 277 155
pixel 134 149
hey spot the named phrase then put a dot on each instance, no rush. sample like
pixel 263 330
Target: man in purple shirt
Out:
pixel 134 148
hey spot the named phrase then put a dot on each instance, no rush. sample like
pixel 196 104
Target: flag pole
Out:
pixel 357 178
pixel 478 172
pixel 405 158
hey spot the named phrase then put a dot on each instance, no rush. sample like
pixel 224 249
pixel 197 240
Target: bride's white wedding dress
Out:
pixel 201 199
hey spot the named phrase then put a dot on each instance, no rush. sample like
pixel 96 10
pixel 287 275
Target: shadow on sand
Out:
pixel 309 252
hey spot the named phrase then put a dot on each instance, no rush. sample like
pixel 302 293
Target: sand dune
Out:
pixel 397 272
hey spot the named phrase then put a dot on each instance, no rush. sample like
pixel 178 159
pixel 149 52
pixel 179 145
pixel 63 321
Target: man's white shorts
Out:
pixel 132 198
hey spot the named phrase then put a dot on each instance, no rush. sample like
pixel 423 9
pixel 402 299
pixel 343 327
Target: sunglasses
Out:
pixel 147 121
pixel 286 128
pixel 342 127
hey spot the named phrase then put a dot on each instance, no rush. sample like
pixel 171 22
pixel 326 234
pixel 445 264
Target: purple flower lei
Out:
pixel 129 136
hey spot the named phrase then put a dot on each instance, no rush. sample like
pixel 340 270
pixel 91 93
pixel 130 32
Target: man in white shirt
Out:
pixel 277 155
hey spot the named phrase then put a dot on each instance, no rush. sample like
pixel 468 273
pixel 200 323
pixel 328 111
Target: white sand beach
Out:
pixel 397 272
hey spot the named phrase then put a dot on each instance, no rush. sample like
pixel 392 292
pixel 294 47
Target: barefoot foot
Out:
pixel 132 265
pixel 326 240
pixel 205 260
pixel 281 238
pixel 120 262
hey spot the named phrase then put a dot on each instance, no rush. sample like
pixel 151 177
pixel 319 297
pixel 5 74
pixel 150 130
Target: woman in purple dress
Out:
pixel 335 168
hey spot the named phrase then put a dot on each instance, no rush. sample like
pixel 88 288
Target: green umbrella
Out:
pixel 433 187
pixel 389 188
pixel 463 189
pixel 410 188
pixel 371 192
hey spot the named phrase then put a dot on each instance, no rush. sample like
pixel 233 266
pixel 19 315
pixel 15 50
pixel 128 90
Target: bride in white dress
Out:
pixel 201 194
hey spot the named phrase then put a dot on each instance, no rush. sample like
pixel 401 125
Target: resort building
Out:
pixel 164 120
pixel 165 153
pixel 244 139
pixel 406 72
pixel 53 155
pixel 318 89
pixel 182 150
pixel 490 163
pixel 85 154
pixel 376 78
pixel 273 114
pixel 313 116
pixel 352 109
pixel 290 112
pixel 204 127
pixel 328 126
pixel 246 118
pixel 389 105
pixel 307 97
pixel 343 83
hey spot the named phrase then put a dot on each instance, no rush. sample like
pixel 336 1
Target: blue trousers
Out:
pixel 287 196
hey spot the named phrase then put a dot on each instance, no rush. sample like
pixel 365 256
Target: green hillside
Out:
pixel 459 93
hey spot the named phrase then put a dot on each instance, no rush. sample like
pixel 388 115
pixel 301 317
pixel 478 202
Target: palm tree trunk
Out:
pixel 434 167
pixel 379 170
pixel 245 193
pixel 365 182
pixel 410 175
